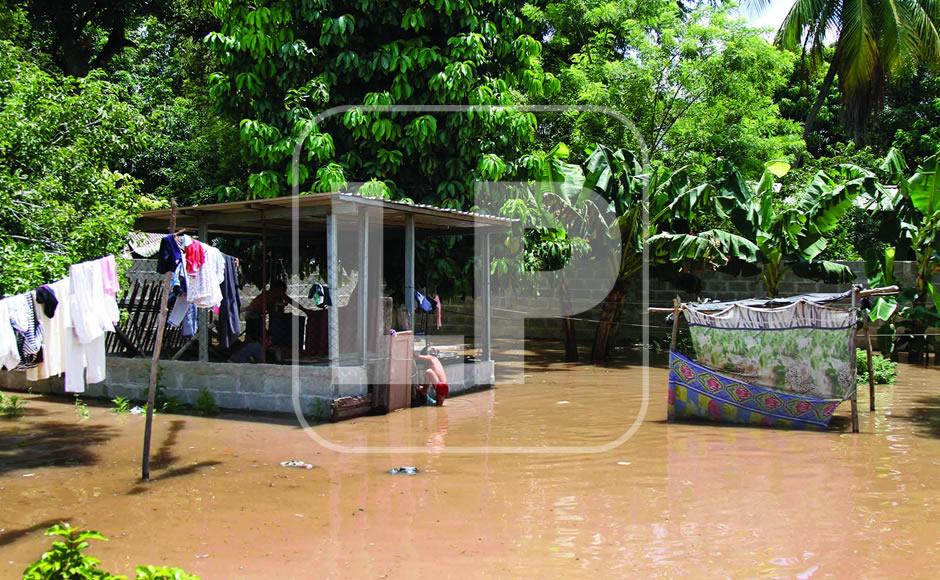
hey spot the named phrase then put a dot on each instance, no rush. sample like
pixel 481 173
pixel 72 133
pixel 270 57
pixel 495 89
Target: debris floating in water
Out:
pixel 623 463
pixel 562 403
pixel 408 470
pixel 296 463
pixel 137 411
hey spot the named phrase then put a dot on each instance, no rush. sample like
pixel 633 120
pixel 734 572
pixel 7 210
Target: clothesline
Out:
pixel 66 332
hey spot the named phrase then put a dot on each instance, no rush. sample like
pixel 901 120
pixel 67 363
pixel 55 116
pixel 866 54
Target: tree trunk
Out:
pixel 608 318
pixel 567 326
pixel 820 100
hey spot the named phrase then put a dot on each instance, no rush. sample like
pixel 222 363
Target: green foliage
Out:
pixel 81 409
pixel 122 405
pixel 791 234
pixel 282 62
pixel 876 39
pixel 697 84
pixel 885 371
pixel 163 573
pixel 11 406
pixel 66 559
pixel 61 199
pixel 205 404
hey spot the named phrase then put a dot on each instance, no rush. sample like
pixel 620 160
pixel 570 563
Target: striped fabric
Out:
pixel 28 332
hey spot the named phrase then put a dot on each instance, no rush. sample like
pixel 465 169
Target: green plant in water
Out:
pixel 81 409
pixel 66 558
pixel 885 371
pixel 122 405
pixel 205 404
pixel 12 406
pixel 163 573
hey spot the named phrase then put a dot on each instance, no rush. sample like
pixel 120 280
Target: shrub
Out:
pixel 67 560
pixel 205 404
pixel 122 405
pixel 885 370
pixel 12 406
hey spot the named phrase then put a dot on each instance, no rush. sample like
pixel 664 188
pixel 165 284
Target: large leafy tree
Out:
pixel 281 62
pixel 81 35
pixel 697 83
pixel 61 198
pixel 646 202
pixel 875 40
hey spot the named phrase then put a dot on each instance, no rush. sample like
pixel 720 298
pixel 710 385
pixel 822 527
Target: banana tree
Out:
pixel 910 217
pixel 788 235
pixel 670 206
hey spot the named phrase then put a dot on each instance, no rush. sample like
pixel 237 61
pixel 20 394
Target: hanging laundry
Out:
pixel 94 312
pixel 229 323
pixel 28 331
pixel 109 274
pixel 9 354
pixel 56 331
pixel 195 256
pixel 170 255
pixel 205 286
pixel 46 296
pixel 422 303
pixel 438 315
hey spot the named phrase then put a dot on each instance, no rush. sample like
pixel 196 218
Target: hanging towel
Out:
pixel 195 257
pixel 170 255
pixel 438 318
pixel 229 324
pixel 109 275
pixel 9 354
pixel 93 311
pixel 56 335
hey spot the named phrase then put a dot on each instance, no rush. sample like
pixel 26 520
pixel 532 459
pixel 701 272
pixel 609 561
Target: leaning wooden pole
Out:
pixel 854 392
pixel 155 359
pixel 871 365
pixel 675 324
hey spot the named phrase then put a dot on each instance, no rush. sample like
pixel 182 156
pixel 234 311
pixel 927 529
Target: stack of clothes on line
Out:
pixel 202 277
pixel 60 327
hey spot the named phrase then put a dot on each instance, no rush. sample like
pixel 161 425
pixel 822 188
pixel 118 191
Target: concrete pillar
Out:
pixel 363 284
pixel 332 280
pixel 410 270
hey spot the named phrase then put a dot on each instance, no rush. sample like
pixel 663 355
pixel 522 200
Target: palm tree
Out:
pixel 875 39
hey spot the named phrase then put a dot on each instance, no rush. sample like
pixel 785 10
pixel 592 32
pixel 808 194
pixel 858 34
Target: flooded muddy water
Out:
pixel 674 499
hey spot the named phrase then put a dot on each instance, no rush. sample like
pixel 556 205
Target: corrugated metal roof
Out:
pixel 277 214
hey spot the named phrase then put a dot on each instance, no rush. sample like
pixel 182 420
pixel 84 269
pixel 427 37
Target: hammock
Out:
pixel 789 363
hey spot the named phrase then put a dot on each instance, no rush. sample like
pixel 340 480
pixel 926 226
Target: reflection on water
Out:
pixel 676 499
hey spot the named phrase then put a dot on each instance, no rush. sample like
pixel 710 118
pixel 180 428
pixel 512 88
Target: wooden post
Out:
pixel 853 356
pixel 675 324
pixel 155 359
pixel 871 365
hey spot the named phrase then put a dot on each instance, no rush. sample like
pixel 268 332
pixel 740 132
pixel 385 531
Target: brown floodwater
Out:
pixel 674 499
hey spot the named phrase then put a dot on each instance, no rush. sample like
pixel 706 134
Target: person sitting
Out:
pixel 434 385
pixel 251 351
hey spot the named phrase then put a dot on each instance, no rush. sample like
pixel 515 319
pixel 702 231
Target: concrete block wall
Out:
pixel 459 314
